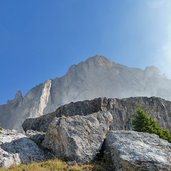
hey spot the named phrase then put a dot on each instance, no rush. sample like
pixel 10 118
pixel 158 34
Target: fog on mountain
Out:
pixel 95 77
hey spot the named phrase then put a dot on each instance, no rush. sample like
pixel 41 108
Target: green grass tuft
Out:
pixel 55 165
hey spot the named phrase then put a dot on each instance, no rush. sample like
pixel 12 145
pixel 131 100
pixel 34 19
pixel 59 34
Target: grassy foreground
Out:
pixel 54 165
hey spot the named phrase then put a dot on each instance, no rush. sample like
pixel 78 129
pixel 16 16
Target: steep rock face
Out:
pixel 44 98
pixel 78 138
pixel 16 148
pixel 121 110
pixel 33 104
pixel 133 151
pixel 95 77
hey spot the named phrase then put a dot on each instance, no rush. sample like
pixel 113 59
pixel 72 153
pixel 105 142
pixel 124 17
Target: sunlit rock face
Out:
pixel 95 77
pixel 78 138
pixel 31 105
pixel 137 151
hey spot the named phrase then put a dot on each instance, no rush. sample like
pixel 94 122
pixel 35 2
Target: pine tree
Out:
pixel 142 122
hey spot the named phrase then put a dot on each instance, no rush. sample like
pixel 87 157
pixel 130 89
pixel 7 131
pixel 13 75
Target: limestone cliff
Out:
pixel 95 77
pixel 33 104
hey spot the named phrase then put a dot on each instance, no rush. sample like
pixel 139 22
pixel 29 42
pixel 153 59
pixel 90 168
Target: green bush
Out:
pixel 142 122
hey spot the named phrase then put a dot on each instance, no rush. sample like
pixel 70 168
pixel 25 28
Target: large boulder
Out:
pixel 121 109
pixel 135 151
pixel 81 108
pixel 78 138
pixel 16 148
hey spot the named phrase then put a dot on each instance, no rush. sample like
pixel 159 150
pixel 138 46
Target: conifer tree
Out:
pixel 142 122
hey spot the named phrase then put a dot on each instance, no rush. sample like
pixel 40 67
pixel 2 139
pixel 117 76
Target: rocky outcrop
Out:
pixel 38 124
pixel 16 148
pixel 133 151
pixel 95 77
pixel 79 131
pixel 78 138
pixel 44 98
pixel 81 108
pixel 121 110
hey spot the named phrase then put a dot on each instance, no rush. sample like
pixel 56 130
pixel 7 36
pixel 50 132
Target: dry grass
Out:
pixel 55 165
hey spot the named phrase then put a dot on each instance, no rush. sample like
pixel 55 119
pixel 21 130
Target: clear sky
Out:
pixel 40 39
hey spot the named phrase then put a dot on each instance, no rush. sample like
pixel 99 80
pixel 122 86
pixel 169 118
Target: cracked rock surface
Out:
pixel 16 148
pixel 78 138
pixel 135 151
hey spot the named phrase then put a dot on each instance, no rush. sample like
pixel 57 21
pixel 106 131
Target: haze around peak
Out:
pixel 40 40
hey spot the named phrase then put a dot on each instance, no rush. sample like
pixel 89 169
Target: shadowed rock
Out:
pixel 36 136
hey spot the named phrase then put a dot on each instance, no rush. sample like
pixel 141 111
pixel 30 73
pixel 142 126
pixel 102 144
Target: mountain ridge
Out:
pixel 96 58
pixel 95 77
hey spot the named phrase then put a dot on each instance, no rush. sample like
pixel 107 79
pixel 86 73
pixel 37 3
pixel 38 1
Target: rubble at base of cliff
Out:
pixel 79 132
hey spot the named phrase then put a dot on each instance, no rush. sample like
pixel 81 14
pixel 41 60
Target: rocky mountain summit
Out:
pixel 95 77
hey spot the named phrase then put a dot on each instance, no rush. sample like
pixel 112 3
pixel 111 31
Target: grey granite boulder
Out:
pixel 81 108
pixel 78 138
pixel 39 124
pixel 135 151
pixel 16 148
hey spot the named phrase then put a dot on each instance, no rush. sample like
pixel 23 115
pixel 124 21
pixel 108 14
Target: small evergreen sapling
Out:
pixel 142 122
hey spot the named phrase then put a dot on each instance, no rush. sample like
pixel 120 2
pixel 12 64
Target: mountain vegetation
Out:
pixel 143 122
pixel 56 165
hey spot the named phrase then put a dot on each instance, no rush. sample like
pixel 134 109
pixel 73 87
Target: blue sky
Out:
pixel 40 39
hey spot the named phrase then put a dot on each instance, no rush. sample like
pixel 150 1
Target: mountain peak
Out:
pixel 18 96
pixel 95 77
pixel 153 69
pixel 100 60
pixel 96 60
